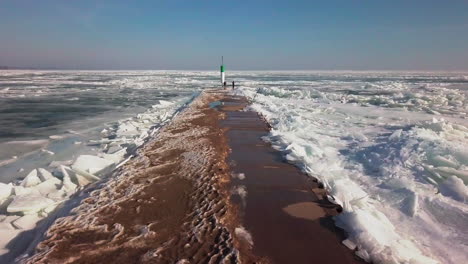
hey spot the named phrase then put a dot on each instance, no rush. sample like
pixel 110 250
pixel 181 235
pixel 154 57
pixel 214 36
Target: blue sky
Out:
pixel 252 35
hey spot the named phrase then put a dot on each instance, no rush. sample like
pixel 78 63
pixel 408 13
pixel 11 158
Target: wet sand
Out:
pixel 183 200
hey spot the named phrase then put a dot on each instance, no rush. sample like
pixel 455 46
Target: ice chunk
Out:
pixel 48 152
pixel 334 200
pixel 349 244
pixel 455 188
pixel 31 179
pixel 242 233
pixel 76 176
pixel 5 190
pixel 4 203
pixel 5 224
pixel 127 129
pixel 59 195
pixel 28 203
pixel 363 254
pixel 91 164
pixel 410 204
pixel 49 208
pixel 57 164
pixel 123 162
pixel 116 156
pixel 105 133
pixel 72 132
pixel 26 222
pixel 67 185
pixel 5 238
pixel 163 104
pixel 20 190
pixel 447 171
pixel 82 178
pixel 113 149
pixel 48 186
pixel 239 176
pixel 397 183
pixel 44 175
pixel 444 162
pixel 395 135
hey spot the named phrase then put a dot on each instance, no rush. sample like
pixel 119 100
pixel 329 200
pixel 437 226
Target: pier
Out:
pixel 282 208
pixel 205 189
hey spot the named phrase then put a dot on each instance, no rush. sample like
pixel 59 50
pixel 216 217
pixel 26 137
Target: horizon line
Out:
pixel 7 68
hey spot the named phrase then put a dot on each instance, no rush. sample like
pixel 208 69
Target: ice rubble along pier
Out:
pixel 183 198
pixel 42 192
pixel 165 205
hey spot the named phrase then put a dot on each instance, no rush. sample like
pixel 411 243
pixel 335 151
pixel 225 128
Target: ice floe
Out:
pixel 91 164
pixel 5 190
pixel 31 179
pixel 28 203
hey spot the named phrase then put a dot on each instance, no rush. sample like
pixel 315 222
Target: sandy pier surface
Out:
pixel 206 189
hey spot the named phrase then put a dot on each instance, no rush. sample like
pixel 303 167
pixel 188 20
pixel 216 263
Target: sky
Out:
pixel 251 35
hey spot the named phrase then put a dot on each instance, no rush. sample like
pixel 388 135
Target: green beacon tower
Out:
pixel 222 71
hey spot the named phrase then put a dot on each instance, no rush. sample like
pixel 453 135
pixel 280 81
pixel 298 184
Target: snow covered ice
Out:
pixel 391 148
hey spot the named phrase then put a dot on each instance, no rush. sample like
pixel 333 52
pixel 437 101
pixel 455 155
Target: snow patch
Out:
pixel 244 235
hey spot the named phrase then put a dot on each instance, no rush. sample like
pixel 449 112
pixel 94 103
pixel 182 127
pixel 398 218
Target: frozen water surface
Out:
pixel 391 147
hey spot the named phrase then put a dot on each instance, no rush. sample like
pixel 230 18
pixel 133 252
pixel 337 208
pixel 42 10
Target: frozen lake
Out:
pixel 391 147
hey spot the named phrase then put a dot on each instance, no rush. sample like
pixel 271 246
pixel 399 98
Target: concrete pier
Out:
pixel 205 189
pixel 278 205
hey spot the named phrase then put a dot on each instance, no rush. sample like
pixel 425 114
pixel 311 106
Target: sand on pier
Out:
pixel 166 205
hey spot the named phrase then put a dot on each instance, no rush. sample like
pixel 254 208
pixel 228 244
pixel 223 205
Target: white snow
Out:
pixel 243 234
pixel 393 154
pixel 240 176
